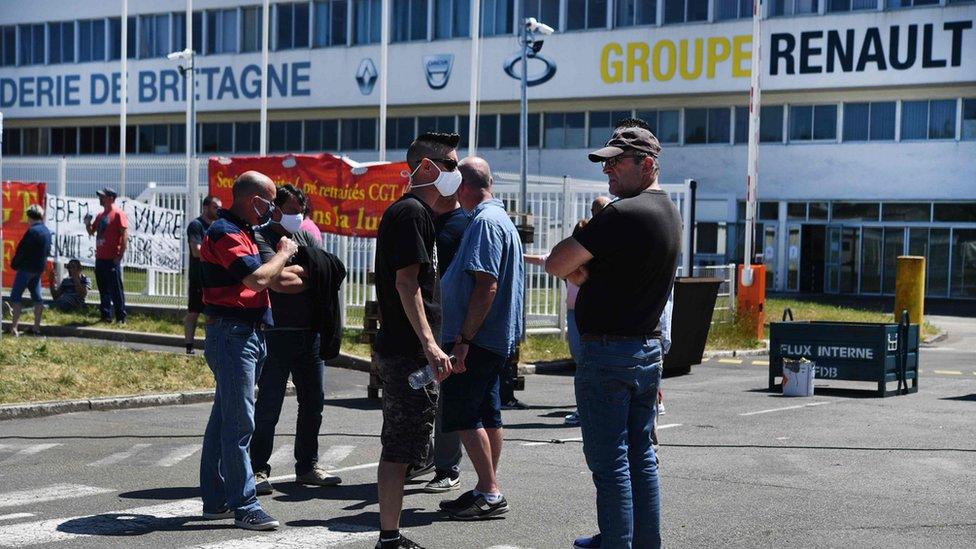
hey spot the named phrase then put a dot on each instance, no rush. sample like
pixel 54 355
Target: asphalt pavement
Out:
pixel 741 467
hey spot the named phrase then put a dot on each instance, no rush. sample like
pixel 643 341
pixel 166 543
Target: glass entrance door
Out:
pixel 793 243
pixel 843 250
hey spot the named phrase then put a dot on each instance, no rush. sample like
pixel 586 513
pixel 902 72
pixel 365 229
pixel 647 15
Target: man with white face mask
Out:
pixel 293 349
pixel 406 284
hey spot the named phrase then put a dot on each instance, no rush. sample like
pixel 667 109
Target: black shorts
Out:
pixel 408 413
pixel 194 301
pixel 471 399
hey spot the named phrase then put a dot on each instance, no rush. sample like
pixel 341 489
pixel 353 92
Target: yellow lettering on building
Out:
pixel 637 60
pixel 718 51
pixel 741 54
pixel 667 47
pixel 694 73
pixel 612 71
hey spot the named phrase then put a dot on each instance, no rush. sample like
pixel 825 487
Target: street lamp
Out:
pixel 189 79
pixel 530 46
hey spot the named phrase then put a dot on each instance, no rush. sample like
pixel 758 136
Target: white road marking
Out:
pixel 120 456
pixel 730 360
pixel 15 516
pixel 283 455
pixel 126 522
pixel 534 443
pixel 947 372
pixel 668 426
pixel 339 470
pixel 335 455
pixel 177 455
pixel 297 538
pixel 49 493
pixel 31 450
pixel 784 408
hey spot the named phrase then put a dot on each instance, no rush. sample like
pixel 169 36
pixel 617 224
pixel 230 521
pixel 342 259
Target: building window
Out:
pixel 222 31
pixel 963 283
pixel 247 137
pixel 8 46
pixel 31 44
pixel 400 132
pixel 115 38
pixel 64 141
pixel 487 131
pixel 586 14
pixel 565 130
pixel 793 7
pixel 707 125
pixel 796 211
pixel 161 139
pixel 894 4
pixel 366 21
pixel 359 133
pixel 11 142
pixel 292 26
pixel 179 31
pixel 321 135
pixel 906 211
pixel 285 136
pixel 91 40
pixel 869 121
pixel 546 11
pixel 437 124
pixel 928 119
pixel 851 5
pixel 955 212
pixel 664 124
pixel 770 124
pixel 251 28
pixel 855 211
pixel 61 42
pixel 452 19
pixel 732 9
pixel 968 119
pixel 216 137
pixel 629 13
pixel 35 141
pixel 509 131
pixel 496 17
pixel 408 20
pixel 154 36
pixel 813 122
pixel 685 11
pixel 330 23
pixel 602 124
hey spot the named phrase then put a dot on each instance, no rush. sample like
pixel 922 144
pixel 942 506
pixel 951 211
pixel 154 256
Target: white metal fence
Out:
pixel 556 204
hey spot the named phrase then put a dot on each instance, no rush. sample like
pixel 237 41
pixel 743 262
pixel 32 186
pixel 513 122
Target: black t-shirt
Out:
pixel 635 244
pixel 289 311
pixel 405 237
pixel 194 235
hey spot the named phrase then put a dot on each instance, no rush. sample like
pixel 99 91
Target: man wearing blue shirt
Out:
pixel 481 296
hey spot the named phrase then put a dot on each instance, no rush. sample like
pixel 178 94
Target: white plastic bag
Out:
pixel 798 375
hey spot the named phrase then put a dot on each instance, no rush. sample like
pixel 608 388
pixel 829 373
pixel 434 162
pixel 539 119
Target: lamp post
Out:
pixel 189 78
pixel 530 45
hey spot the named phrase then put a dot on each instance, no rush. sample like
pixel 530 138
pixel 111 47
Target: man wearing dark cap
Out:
pixel 111 230
pixel 624 261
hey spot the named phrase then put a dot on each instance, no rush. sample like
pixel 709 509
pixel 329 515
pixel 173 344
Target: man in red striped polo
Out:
pixel 236 302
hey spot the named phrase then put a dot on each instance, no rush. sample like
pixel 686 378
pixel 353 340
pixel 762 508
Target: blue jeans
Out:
pixel 573 337
pixel 31 282
pixel 235 352
pixel 108 276
pixel 616 391
pixel 294 352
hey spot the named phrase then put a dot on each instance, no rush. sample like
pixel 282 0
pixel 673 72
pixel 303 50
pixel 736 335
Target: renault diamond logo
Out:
pixel 438 69
pixel 366 76
pixel 532 79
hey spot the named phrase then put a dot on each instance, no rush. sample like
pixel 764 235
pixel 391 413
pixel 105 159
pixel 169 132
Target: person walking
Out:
pixel 235 297
pixel 483 292
pixel 111 230
pixel 294 348
pixel 29 261
pixel 194 238
pixel 406 289
pixel 624 261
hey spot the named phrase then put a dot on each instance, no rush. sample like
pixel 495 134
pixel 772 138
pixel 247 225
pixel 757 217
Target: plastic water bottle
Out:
pixel 424 376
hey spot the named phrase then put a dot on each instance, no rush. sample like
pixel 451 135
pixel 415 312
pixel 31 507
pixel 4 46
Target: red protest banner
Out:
pixel 17 197
pixel 344 200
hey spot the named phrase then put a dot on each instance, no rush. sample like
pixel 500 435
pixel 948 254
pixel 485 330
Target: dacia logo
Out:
pixel 548 69
pixel 438 69
pixel 366 76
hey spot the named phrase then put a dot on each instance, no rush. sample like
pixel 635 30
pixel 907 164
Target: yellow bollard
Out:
pixel 910 288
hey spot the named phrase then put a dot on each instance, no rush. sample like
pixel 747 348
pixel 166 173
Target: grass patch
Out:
pixel 37 369
pixel 134 321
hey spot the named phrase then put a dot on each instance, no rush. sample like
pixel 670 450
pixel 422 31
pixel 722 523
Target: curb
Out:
pixel 568 366
pixel 122 336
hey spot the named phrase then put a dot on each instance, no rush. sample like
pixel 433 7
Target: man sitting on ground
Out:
pixel 69 296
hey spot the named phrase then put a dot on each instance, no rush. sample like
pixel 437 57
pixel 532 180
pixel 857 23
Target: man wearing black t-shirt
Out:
pixel 406 288
pixel 624 261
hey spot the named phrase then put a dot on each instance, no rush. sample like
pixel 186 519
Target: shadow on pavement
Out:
pixel 410 518
pixel 355 403
pixel 519 426
pixel 170 493
pixel 962 398
pixel 122 524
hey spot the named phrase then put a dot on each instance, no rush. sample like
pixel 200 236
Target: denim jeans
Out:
pixel 235 352
pixel 31 282
pixel 573 337
pixel 108 276
pixel 294 352
pixel 447 446
pixel 616 391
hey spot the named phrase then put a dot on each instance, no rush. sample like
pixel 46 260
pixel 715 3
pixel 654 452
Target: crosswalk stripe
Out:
pixel 296 538
pixel 128 522
pixel 282 455
pixel 49 493
pixel 761 362
pixel 730 360
pixel 15 516
pixel 334 455
pixel 339 470
pixel 119 456
pixel 177 455
pixel 31 450
pixel 947 372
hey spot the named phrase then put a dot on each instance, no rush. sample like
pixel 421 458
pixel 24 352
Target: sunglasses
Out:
pixel 611 162
pixel 448 163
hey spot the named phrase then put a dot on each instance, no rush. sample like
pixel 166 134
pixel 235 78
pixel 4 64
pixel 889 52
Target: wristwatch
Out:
pixel 461 339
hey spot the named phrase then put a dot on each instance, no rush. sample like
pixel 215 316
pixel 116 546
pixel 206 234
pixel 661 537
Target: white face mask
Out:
pixel 447 183
pixel 291 222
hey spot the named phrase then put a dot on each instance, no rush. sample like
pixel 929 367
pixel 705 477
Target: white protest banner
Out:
pixel 155 234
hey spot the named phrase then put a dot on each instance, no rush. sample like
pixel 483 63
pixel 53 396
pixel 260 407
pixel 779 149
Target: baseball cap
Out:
pixel 107 191
pixel 623 139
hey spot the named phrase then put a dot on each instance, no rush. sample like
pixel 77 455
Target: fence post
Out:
pixel 62 191
pixel 150 272
pixel 561 284
pixel 344 257
pixel 732 285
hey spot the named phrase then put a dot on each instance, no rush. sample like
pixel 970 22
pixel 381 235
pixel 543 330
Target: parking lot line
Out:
pixel 730 360
pixel 15 516
pixel 49 493
pixel 339 470
pixel 312 536
pixel 120 456
pixel 761 362
pixel 947 372
pixel 784 408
